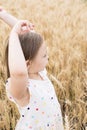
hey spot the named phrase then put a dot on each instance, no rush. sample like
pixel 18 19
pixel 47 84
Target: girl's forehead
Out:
pixel 42 49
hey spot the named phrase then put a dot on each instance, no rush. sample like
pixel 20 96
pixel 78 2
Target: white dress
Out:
pixel 43 111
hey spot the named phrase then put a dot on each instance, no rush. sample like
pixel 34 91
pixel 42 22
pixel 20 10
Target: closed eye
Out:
pixel 45 55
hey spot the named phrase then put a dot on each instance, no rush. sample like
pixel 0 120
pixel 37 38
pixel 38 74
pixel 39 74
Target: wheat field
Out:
pixel 63 23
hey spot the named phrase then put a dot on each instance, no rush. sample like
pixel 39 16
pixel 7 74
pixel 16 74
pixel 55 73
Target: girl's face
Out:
pixel 40 61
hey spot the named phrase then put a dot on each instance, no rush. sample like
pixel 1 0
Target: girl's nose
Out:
pixel 48 58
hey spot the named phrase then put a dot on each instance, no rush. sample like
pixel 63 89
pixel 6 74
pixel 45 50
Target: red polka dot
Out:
pixel 30 127
pixel 37 109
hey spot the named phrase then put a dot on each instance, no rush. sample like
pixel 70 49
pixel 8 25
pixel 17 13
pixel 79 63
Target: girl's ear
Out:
pixel 28 63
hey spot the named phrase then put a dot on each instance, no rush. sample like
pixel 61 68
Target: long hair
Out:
pixel 30 43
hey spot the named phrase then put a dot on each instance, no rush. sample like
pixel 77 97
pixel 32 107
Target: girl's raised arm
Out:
pixel 17 63
pixel 7 18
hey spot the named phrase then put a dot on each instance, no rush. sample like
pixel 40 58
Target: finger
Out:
pixel 31 28
pixel 22 23
pixel 31 25
pixel 25 28
pixel 25 23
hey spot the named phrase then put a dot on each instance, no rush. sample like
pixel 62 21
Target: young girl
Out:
pixel 28 85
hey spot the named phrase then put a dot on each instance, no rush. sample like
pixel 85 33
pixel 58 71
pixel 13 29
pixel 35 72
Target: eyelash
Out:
pixel 45 55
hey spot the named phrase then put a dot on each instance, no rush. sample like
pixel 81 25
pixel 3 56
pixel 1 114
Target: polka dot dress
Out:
pixel 43 111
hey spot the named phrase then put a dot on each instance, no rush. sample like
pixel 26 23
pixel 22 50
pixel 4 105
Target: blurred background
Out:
pixel 63 24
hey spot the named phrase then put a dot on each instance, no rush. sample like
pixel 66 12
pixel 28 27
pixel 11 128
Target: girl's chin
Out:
pixel 42 69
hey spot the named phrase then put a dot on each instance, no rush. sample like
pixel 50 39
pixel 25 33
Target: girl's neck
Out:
pixel 32 72
pixel 35 76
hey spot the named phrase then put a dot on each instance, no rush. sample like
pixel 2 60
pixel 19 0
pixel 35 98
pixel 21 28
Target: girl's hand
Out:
pixel 22 26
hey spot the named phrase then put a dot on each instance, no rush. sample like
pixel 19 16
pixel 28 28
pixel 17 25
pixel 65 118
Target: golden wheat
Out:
pixel 63 23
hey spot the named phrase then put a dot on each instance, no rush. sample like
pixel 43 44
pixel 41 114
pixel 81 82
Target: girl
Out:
pixel 28 85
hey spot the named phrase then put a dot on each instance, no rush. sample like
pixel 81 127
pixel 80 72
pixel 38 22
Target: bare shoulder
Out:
pixel 17 87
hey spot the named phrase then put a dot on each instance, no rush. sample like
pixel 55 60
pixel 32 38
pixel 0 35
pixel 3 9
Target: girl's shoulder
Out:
pixel 44 72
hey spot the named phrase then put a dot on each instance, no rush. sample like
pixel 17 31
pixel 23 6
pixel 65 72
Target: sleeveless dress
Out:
pixel 43 111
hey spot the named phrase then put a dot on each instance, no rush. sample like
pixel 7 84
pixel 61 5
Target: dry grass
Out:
pixel 63 23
